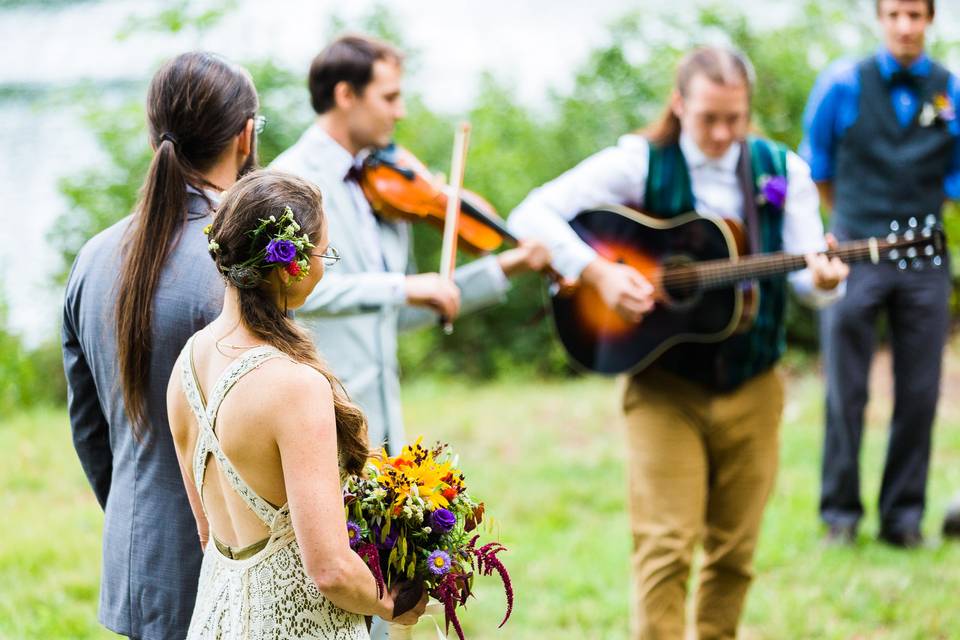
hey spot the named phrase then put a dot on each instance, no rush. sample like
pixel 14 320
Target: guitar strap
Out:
pixel 751 216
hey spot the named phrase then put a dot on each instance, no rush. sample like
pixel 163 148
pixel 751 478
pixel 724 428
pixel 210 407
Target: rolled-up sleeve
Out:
pixel 830 110
pixel 952 184
pixel 803 232
pixel 615 175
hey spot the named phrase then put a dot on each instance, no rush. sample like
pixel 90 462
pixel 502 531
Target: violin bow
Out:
pixel 448 251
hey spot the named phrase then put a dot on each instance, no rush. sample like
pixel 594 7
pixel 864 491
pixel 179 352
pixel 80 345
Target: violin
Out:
pixel 399 187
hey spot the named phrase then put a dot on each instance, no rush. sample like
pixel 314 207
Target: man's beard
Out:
pixel 250 164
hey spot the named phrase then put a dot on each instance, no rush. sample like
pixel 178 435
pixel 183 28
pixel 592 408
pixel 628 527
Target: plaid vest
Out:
pixel 725 365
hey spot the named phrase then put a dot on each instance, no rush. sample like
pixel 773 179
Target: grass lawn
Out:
pixel 548 459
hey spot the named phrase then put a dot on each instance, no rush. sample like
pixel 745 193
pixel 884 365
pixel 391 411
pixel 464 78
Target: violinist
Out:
pixel 359 307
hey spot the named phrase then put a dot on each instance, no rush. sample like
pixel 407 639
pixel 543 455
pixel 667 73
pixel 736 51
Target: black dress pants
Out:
pixel 915 304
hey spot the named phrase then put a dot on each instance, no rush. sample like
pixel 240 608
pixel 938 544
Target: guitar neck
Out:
pixel 711 274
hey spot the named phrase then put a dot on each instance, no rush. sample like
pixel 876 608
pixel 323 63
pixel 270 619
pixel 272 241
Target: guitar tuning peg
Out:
pixel 892 238
pixel 912 252
pixel 894 254
pixel 937 261
pixel 902 265
pixel 917 264
pixel 931 220
pixel 912 222
pixel 928 251
pixel 894 226
pixel 927 232
pixel 909 235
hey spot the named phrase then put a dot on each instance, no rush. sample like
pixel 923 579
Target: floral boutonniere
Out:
pixel 773 191
pixel 939 110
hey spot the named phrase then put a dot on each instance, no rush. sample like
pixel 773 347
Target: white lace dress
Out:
pixel 269 594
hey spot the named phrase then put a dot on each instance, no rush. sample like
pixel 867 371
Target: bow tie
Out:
pixel 353 174
pixel 904 78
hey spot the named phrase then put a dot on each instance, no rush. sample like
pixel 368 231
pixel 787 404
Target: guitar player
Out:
pixel 702 422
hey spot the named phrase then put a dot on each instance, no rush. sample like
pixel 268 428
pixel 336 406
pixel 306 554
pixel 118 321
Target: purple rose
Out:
pixel 442 520
pixel 281 251
pixel 775 191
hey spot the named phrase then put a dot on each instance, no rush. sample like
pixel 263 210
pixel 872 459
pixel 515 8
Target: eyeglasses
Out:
pixel 259 122
pixel 330 257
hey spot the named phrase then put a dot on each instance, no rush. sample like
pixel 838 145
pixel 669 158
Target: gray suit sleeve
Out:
pixel 91 432
pixel 482 284
pixel 347 294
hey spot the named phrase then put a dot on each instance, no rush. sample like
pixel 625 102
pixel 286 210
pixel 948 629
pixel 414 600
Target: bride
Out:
pixel 263 433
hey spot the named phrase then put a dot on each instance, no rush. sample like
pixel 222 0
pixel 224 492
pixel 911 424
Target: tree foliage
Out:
pixel 620 87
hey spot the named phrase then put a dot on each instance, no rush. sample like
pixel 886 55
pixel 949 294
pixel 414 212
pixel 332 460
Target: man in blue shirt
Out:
pixel 881 140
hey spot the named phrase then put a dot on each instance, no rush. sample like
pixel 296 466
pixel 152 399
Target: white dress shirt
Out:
pixel 618 175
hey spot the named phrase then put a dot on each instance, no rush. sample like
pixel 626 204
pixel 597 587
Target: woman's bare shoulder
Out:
pixel 282 387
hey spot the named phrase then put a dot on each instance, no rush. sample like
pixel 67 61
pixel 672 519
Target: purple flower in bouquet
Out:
pixel 442 520
pixel 353 533
pixel 439 562
pixel 384 543
pixel 281 251
pixel 774 191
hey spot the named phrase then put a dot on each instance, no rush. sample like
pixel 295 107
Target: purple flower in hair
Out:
pixel 281 251
pixel 773 190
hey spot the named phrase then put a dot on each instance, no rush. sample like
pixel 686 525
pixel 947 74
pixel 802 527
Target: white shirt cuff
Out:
pixel 812 296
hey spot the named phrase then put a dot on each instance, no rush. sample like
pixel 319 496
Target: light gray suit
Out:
pixel 151 552
pixel 355 312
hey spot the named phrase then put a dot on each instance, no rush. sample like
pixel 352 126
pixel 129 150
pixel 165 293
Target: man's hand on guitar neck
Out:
pixel 622 288
pixel 827 273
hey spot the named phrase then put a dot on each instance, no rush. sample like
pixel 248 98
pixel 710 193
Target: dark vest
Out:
pixel 887 172
pixel 725 365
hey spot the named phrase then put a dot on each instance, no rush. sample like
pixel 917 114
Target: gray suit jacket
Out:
pixel 355 312
pixel 151 553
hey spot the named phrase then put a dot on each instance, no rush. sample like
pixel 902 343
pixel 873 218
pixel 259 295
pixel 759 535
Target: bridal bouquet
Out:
pixel 411 520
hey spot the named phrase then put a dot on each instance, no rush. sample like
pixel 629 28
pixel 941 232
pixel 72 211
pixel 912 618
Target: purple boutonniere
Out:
pixel 773 191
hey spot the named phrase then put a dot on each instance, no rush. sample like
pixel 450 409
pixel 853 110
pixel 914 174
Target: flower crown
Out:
pixel 284 248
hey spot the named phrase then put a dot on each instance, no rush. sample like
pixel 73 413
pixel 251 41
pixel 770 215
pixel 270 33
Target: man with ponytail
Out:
pixel 355 314
pixel 702 422
pixel 882 141
pixel 136 292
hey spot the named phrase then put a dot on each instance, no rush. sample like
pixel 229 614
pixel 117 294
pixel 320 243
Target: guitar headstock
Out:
pixel 913 246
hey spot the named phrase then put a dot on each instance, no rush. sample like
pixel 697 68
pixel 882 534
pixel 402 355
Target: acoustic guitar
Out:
pixel 704 281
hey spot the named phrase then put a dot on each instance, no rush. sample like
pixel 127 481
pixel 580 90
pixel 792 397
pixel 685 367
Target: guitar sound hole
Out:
pixel 680 283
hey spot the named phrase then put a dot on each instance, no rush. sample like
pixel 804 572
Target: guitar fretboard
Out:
pixel 710 274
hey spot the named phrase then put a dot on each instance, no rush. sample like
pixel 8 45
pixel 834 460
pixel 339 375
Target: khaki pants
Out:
pixel 701 466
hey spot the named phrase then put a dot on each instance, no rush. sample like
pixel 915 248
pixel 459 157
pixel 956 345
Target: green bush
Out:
pixel 621 86
pixel 28 376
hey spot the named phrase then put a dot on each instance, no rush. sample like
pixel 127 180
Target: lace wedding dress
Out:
pixel 260 592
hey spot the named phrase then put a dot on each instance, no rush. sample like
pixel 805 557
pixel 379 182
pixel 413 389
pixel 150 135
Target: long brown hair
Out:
pixel 197 104
pixel 256 197
pixel 720 65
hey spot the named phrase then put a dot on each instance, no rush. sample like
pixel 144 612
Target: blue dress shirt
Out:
pixel 834 103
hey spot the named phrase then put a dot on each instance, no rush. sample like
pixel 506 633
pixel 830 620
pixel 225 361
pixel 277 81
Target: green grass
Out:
pixel 547 457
